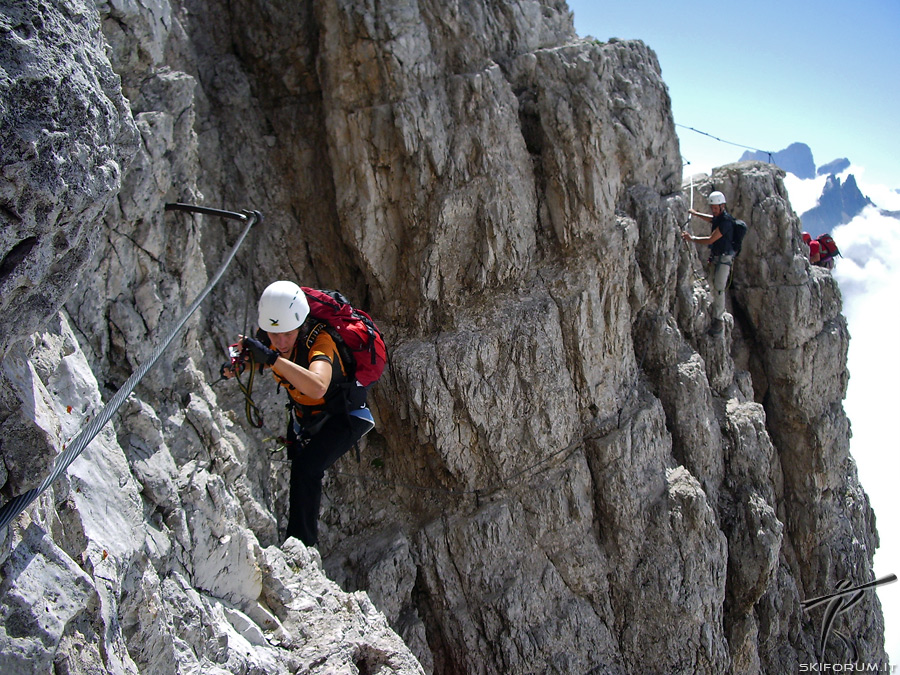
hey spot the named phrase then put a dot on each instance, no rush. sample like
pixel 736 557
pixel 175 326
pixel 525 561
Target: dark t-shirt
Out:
pixel 725 224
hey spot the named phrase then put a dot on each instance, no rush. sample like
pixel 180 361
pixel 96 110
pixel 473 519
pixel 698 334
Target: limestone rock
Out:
pixel 66 136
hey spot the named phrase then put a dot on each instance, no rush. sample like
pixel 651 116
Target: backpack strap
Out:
pixel 313 334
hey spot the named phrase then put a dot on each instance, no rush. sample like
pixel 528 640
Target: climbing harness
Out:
pixel 730 275
pixel 18 504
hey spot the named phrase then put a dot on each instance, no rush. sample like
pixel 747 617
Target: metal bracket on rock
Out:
pixel 243 216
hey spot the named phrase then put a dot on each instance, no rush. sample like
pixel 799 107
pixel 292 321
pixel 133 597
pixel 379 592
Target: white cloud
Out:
pixel 804 193
pixel 882 196
pixel 869 277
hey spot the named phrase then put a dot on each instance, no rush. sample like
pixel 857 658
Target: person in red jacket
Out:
pixel 815 253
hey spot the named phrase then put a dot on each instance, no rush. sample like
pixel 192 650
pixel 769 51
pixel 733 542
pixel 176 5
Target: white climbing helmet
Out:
pixel 716 198
pixel 282 307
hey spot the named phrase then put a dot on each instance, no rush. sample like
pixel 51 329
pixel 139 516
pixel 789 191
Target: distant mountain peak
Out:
pixel 838 204
pixel 797 158
pixel 834 167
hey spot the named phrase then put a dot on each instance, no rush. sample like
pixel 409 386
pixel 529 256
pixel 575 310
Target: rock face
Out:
pixel 567 474
pixel 65 135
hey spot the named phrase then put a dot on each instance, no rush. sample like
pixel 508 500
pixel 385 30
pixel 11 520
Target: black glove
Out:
pixel 261 353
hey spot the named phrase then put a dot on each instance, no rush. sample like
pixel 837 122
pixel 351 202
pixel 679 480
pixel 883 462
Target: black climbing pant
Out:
pixel 308 466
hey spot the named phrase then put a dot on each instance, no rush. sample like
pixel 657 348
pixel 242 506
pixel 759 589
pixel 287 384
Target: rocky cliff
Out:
pixel 567 476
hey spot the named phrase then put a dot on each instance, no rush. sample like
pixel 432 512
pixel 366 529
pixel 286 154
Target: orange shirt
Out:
pixel 323 348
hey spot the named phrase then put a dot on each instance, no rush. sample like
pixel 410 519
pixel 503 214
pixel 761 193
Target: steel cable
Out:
pixel 18 504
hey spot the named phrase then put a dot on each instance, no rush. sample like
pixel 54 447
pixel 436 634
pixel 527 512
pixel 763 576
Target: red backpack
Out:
pixel 827 247
pixel 355 329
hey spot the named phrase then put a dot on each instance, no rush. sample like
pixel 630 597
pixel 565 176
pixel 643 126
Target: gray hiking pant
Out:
pixel 719 271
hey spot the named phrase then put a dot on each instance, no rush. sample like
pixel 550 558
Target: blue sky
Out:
pixel 766 74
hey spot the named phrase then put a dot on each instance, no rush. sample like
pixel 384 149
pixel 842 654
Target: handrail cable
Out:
pixel 722 140
pixel 18 504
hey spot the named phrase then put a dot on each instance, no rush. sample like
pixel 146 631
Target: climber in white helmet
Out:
pixel 721 253
pixel 305 359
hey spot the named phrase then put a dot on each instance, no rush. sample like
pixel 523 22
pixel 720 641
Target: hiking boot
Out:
pixel 716 328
